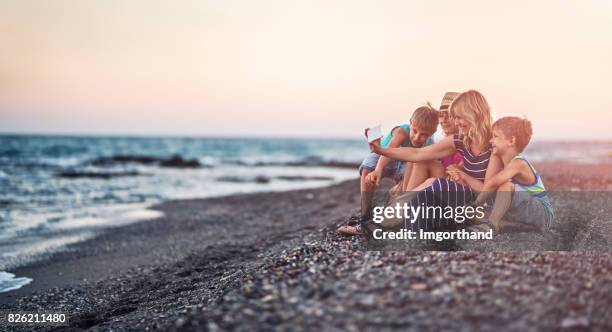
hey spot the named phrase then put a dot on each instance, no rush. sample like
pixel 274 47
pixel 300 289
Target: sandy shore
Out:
pixel 273 261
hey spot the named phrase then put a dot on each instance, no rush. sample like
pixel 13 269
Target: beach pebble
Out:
pixel 572 322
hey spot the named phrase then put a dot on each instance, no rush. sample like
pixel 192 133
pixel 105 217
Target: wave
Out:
pixel 306 162
pixel 9 282
pixel 95 175
pixel 266 179
pixel 179 161
pixel 173 161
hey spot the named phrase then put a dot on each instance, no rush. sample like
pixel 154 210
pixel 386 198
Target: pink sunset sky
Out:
pixel 298 68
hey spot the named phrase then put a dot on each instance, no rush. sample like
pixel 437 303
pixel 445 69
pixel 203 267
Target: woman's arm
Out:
pixel 438 150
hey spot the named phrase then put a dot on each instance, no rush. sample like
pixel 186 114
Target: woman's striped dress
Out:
pixel 444 192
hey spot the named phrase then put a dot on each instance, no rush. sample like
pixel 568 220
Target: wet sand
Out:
pixel 273 261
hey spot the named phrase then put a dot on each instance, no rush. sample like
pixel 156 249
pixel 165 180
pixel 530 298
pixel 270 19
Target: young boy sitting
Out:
pixel 374 167
pixel 421 175
pixel 521 198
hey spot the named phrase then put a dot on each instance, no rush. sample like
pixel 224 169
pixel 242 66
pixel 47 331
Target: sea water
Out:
pixel 54 193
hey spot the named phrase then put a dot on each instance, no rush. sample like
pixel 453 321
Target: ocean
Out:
pixel 58 190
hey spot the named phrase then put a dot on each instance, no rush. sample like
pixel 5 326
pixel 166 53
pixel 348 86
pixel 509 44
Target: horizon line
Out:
pixel 242 136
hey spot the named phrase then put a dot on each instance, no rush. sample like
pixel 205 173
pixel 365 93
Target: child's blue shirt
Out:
pixel 406 127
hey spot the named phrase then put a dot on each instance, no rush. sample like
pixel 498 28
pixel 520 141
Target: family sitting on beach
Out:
pixel 477 163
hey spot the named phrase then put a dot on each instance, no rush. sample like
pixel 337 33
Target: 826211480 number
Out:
pixel 33 318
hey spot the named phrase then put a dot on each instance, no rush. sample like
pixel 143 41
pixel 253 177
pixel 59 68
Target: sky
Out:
pixel 298 68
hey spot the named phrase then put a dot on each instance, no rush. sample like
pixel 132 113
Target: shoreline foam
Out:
pixel 9 282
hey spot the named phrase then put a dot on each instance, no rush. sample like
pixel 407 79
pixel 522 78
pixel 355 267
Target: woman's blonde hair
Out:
pixel 474 109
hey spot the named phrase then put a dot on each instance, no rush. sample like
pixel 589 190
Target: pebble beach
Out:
pixel 272 261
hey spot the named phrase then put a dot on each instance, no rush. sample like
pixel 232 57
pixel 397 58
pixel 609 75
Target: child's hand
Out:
pixel 456 175
pixel 453 173
pixel 375 146
pixel 454 168
pixel 373 178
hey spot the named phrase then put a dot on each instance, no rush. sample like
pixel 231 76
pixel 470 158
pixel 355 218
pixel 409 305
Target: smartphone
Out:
pixel 373 133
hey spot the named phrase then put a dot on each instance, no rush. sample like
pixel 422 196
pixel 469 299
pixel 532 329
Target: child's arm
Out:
pixel 511 170
pixel 435 151
pixel 399 136
pixel 493 168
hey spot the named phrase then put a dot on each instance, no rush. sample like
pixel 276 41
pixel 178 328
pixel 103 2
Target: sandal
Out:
pixel 354 220
pixel 350 230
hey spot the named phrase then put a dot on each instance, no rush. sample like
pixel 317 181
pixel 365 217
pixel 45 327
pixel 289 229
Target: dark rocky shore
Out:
pixel 273 261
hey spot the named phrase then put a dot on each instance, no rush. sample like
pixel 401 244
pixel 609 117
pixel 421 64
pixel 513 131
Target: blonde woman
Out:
pixel 472 116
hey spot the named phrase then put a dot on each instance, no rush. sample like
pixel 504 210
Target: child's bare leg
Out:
pixel 436 170
pixel 426 184
pixel 364 186
pixel 367 194
pixel 407 196
pixel 395 191
pixel 419 173
pixel 503 199
pixel 399 187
